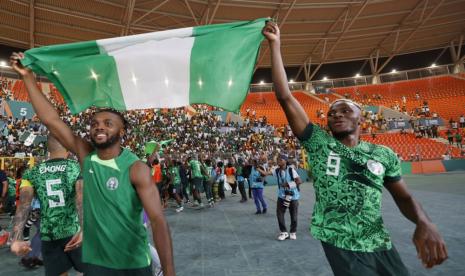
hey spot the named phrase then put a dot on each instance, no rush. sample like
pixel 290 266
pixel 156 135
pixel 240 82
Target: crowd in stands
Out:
pixel 203 131
pixel 200 131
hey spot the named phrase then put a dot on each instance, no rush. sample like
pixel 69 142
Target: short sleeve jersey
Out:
pixel 174 171
pixel 348 184
pixel 11 187
pixel 196 170
pixel 54 184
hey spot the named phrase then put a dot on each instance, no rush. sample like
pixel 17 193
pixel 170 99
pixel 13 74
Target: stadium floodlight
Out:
pixel 394 71
pixel 325 78
pixel 433 65
pixel 357 75
pixel 262 82
pixel 291 81
pixel 3 63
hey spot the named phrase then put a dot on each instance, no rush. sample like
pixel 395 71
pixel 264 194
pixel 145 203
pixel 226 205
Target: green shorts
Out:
pixel 347 262
pixel 96 270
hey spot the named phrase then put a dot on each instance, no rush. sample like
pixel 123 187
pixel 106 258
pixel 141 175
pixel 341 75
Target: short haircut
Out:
pixel 346 101
pixel 114 111
pixel 53 144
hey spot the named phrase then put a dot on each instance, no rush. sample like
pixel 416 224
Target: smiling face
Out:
pixel 344 119
pixel 106 130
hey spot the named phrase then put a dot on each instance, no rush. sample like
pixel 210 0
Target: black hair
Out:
pixel 20 171
pixel 114 111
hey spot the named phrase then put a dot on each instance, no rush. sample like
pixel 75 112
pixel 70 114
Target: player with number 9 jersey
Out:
pixel 54 185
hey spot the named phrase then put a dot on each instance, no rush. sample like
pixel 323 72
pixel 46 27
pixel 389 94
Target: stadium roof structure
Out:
pixel 313 31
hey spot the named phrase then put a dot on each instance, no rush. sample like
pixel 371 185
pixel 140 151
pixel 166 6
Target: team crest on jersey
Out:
pixel 112 183
pixel 375 167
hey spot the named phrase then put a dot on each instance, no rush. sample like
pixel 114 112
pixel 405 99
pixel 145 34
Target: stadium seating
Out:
pixel 55 95
pixel 266 104
pixel 20 94
pixel 19 91
pixel 407 144
pixel 330 96
pixel 440 92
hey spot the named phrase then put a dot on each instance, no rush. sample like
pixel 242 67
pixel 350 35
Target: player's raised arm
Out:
pixel 298 119
pixel 47 113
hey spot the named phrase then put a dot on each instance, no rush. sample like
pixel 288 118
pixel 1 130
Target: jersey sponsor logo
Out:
pixel 112 183
pixel 52 169
pixel 375 167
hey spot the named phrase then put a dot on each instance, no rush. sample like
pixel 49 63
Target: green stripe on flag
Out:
pixel 82 74
pixel 222 62
pixel 218 68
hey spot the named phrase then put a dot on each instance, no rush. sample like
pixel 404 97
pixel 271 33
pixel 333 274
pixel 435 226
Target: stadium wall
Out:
pixel 422 167
pixel 432 166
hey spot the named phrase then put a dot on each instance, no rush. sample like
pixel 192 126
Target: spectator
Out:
pixel 446 155
pixel 458 139
pixel 3 197
pixel 450 137
pixel 434 131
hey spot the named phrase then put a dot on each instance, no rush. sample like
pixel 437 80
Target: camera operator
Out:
pixel 288 196
pixel 257 177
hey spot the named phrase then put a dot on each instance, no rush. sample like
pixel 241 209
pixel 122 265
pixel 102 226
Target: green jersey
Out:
pixel 174 171
pixel 11 187
pixel 114 236
pixel 196 170
pixel 54 183
pixel 348 188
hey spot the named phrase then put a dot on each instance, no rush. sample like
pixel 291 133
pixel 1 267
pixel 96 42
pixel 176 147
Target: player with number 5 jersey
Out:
pixel 56 183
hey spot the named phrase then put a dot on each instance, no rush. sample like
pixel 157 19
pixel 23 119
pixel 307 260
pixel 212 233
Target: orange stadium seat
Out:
pixel 407 144
pixel 440 92
pixel 266 104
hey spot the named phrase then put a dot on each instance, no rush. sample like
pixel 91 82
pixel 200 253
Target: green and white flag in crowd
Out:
pixel 210 64
pixel 151 145
pixel 29 138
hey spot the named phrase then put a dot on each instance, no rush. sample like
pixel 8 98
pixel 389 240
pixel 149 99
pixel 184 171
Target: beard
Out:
pixel 343 134
pixel 112 140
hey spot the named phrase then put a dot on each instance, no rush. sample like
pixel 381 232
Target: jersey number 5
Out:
pixel 51 192
pixel 333 164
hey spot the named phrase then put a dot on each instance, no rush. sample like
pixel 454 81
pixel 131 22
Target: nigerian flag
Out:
pixel 210 64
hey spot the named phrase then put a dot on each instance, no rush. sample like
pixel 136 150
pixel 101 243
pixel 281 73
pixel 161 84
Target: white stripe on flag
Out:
pixel 155 73
pixel 109 45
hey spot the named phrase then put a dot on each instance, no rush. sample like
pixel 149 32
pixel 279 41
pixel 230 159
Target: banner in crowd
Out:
pixel 150 146
pixel 21 109
pixel 210 64
pixel 29 138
